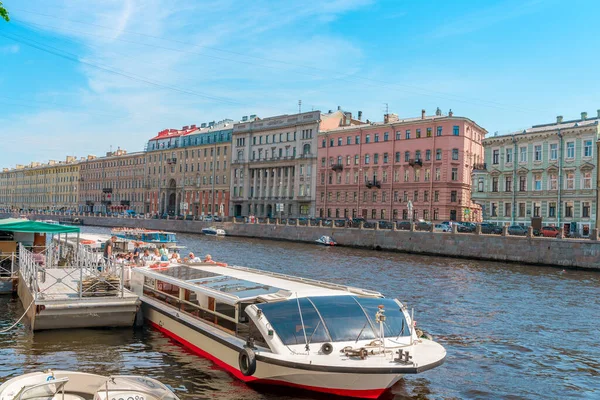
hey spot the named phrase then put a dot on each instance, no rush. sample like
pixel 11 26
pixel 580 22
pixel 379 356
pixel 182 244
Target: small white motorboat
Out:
pixel 326 241
pixel 68 385
pixel 213 231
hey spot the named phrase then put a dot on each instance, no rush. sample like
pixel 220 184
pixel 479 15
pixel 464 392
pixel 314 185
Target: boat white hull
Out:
pixel 220 349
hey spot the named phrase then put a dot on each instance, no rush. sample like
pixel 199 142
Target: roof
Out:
pixel 27 226
pixel 549 128
pixel 169 133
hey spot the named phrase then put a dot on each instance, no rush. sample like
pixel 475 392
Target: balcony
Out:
pixel 372 184
pixel 337 167
pixel 412 162
pixel 171 161
pixel 238 161
pixel 107 190
pixel 482 167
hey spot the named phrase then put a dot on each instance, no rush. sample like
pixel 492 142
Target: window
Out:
pixel 570 149
pixel 407 135
pixel 427 174
pixel 349 140
pixel 418 133
pixel 494 184
pixel 570 181
pixel 405 175
pixel 339 141
pixel 416 196
pixel 436 214
pixel 405 196
pixel 507 209
pixel 537 181
pixel 553 151
pixel 437 174
pixel 406 156
pixel 418 155
pixel 453 196
pixel 585 209
pixel 454 174
pixel 377 138
pixel 521 210
pixel 397 157
pixel 552 182
pixel 522 183
pixel 427 155
pixel 508 184
pixel 438 154
pixel 537 152
pixel 551 209
pixel 367 158
pixel 455 154
pixel 439 131
pixel 417 175
pixel 569 209
pixel 428 132
pixel 368 139
pixel 426 196
pixel 386 136
pixel 385 158
pixel 523 154
pixel 494 210
pixel 536 210
pixel 455 130
pixel 376 158
pixel 348 160
pixel 495 156
pixel 357 139
pixel 586 178
pixel 587 148
pixel 436 196
pixel 480 184
pixel 508 156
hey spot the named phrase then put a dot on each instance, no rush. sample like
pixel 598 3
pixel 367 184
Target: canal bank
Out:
pixel 569 253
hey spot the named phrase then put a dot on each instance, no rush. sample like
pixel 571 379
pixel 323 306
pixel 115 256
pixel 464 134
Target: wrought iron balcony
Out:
pixel 414 162
pixel 480 166
pixel 171 161
pixel 374 183
pixel 337 167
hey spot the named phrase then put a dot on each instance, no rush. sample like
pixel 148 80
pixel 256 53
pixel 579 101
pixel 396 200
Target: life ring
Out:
pixel 327 348
pixel 247 361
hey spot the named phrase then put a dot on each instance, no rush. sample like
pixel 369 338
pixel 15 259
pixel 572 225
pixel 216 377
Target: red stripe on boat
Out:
pixel 363 394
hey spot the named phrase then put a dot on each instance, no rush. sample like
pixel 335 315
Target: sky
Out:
pixel 81 77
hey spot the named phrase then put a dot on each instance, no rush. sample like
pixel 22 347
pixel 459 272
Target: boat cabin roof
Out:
pixel 139 231
pixel 234 284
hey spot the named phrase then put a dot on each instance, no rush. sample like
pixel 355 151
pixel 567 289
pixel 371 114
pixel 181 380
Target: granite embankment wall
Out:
pixel 572 253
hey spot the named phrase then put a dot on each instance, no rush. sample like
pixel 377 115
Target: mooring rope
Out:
pixel 19 320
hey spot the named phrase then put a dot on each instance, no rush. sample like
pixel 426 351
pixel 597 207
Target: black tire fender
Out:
pixel 327 348
pixel 247 361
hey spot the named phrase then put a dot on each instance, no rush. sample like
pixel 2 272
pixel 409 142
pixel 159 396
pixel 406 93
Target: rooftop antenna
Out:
pixel 387 108
pixel 299 106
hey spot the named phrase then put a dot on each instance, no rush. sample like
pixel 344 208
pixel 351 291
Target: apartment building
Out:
pixel 547 172
pixel 187 170
pixel 113 183
pixel 410 169
pixel 52 186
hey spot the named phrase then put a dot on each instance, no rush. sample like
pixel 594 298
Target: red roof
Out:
pixel 169 133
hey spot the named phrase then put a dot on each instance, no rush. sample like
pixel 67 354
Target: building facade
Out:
pixel 547 172
pixel 113 183
pixel 410 169
pixel 273 164
pixel 188 170
pixel 53 186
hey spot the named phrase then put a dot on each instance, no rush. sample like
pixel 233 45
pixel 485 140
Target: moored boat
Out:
pixel 69 385
pixel 265 327
pixel 326 240
pixel 147 235
pixel 213 231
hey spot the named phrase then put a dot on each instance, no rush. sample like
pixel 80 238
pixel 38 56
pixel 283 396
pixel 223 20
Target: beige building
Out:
pixel 188 170
pixel 114 183
pixel 52 186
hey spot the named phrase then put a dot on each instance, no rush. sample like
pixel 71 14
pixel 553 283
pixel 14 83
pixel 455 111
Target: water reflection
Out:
pixel 511 331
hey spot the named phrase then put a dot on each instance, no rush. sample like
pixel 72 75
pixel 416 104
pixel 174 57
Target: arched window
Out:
pixel 306 149
pixel 240 155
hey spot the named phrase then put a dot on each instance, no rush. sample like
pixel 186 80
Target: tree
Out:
pixel 3 13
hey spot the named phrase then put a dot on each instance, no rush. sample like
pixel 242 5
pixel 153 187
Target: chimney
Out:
pixel 559 119
pixel 584 116
pixel 330 111
pixel 360 115
pixel 450 113
pixel 339 108
pixel 438 112
pixel 422 114
pixel 598 111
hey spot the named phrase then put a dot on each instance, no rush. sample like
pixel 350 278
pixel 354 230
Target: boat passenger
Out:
pixel 193 259
pixel 137 250
pixel 174 258
pixel 164 253
pixel 208 259
pixel 157 255
pixel 108 247
pixel 147 256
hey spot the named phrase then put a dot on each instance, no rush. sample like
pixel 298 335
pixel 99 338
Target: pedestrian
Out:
pixel 108 248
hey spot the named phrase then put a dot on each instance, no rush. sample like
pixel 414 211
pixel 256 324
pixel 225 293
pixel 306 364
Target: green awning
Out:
pixel 24 225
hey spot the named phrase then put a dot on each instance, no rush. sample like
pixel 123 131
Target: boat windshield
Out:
pixel 333 318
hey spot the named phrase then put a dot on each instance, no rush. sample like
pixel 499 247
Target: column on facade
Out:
pixel 267 183
pixel 260 191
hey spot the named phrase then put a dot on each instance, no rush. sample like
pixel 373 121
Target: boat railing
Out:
pixel 28 268
pixel 8 265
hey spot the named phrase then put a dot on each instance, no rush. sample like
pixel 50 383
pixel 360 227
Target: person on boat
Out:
pixel 157 255
pixel 137 250
pixel 174 258
pixel 208 259
pixel 147 256
pixel 164 253
pixel 108 247
pixel 193 259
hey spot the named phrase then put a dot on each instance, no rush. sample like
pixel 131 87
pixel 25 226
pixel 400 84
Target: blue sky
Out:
pixel 77 77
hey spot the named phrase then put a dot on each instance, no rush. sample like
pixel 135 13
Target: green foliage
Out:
pixel 4 13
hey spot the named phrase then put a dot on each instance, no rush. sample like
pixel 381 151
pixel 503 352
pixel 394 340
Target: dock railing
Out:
pixel 8 265
pixel 84 274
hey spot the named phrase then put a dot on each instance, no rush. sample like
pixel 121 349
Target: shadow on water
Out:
pixel 511 331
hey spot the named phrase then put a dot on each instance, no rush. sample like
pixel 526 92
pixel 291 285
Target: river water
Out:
pixel 511 331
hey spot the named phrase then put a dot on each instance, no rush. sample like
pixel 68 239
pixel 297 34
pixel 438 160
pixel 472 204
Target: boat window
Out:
pixel 395 324
pixel 285 320
pixel 344 318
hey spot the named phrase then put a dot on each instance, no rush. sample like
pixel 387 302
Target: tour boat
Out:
pixel 326 240
pixel 266 327
pixel 214 231
pixel 146 235
pixel 68 385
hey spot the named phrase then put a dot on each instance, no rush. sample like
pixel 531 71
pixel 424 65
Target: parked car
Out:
pixel 549 231
pixel 488 228
pixel 217 219
pixel 423 226
pixel 442 228
pixel 403 225
pixel 208 218
pixel 517 230
pixel 465 227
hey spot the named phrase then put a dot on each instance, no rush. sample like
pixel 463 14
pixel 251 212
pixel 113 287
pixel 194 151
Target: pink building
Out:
pixel 380 171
